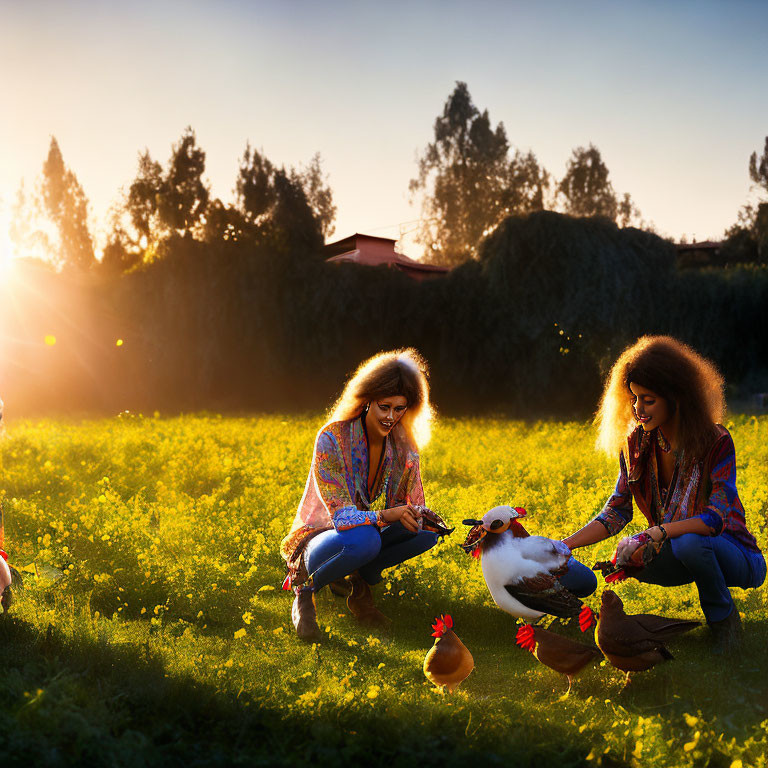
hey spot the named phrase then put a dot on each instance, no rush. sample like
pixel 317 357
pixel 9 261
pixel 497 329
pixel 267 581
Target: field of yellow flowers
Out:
pixel 153 631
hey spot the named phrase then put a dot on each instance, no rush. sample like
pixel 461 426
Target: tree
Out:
pixel 629 213
pixel 183 195
pixel 142 200
pixel 468 182
pixel 585 186
pixel 758 168
pixel 527 185
pixel 66 205
pixel 462 174
pixel 293 220
pixel 254 188
pixel 294 206
pixel 319 195
pixel 27 231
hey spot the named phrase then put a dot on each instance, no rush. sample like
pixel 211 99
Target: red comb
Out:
pixel 287 582
pixel 586 618
pixel 476 552
pixel 520 511
pixel 526 638
pixel 442 624
pixel 618 576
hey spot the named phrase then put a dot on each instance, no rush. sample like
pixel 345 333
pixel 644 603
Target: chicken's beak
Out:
pixel 475 535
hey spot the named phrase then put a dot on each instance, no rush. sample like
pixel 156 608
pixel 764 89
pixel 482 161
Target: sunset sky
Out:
pixel 672 93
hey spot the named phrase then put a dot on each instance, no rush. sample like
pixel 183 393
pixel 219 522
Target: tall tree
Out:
pixel 184 196
pixel 527 185
pixel 66 206
pixel 142 199
pixel 468 183
pixel 254 188
pixel 27 231
pixel 319 195
pixel 585 186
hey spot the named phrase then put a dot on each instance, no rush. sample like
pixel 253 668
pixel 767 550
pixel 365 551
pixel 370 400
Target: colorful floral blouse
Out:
pixel 336 493
pixel 707 489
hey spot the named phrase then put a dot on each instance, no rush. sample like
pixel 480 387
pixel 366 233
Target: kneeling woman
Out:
pixel 660 412
pixel 363 505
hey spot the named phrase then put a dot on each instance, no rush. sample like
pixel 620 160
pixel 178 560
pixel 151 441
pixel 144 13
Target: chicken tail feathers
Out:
pixel 526 638
pixel 587 618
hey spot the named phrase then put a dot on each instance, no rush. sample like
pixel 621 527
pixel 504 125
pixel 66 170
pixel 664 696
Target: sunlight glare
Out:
pixel 6 247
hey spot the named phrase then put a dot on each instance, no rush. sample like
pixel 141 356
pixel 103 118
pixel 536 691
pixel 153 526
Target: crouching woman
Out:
pixel 363 505
pixel 661 412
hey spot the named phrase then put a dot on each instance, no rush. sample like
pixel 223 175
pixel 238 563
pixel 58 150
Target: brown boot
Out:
pixel 341 587
pixel 304 615
pixel 727 634
pixel 360 603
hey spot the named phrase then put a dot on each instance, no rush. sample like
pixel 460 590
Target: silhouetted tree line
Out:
pixel 198 304
pixel 261 322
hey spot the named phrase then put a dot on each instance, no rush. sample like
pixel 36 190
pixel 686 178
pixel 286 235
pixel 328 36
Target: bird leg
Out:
pixel 626 683
pixel 570 683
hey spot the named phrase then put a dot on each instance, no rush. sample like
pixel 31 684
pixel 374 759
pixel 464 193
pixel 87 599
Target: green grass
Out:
pixel 168 640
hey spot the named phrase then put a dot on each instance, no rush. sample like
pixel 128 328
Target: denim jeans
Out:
pixel 579 579
pixel 713 563
pixel 331 555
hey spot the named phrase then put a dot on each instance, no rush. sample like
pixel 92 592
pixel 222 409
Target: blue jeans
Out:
pixel 713 563
pixel 578 579
pixel 331 555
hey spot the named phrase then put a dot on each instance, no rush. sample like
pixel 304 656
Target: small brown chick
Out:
pixel 448 662
pixel 556 652
pixel 635 643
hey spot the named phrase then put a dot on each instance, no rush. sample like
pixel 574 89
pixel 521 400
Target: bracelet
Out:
pixel 665 535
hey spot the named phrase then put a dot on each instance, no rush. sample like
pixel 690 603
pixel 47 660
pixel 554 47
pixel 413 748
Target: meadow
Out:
pixel 153 630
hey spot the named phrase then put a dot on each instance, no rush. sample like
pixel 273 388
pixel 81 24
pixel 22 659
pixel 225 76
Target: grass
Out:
pixel 167 641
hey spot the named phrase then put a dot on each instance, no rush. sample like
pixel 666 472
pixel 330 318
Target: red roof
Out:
pixel 375 251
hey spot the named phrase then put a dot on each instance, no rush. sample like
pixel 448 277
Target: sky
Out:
pixel 673 94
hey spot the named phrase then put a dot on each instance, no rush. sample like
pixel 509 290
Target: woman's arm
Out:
pixel 614 516
pixel 591 533
pixel 679 528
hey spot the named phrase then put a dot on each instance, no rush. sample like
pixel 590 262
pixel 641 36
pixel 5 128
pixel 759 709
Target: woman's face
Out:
pixel 384 413
pixel 650 409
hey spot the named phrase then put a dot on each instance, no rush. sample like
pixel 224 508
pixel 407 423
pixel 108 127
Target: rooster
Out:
pixel 556 652
pixel 521 571
pixel 448 662
pixel 634 642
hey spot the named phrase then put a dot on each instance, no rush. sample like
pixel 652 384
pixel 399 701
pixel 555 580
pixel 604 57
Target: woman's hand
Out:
pixel 625 549
pixel 407 514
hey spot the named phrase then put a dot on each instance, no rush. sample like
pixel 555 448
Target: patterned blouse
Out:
pixel 707 489
pixel 336 493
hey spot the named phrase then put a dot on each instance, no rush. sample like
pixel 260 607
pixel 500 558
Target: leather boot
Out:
pixel 341 587
pixel 304 615
pixel 360 603
pixel 727 634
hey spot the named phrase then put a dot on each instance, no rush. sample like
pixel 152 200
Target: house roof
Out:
pixel 704 245
pixel 373 251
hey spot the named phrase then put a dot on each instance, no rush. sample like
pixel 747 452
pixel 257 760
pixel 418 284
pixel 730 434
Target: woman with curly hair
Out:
pixel 363 505
pixel 661 411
